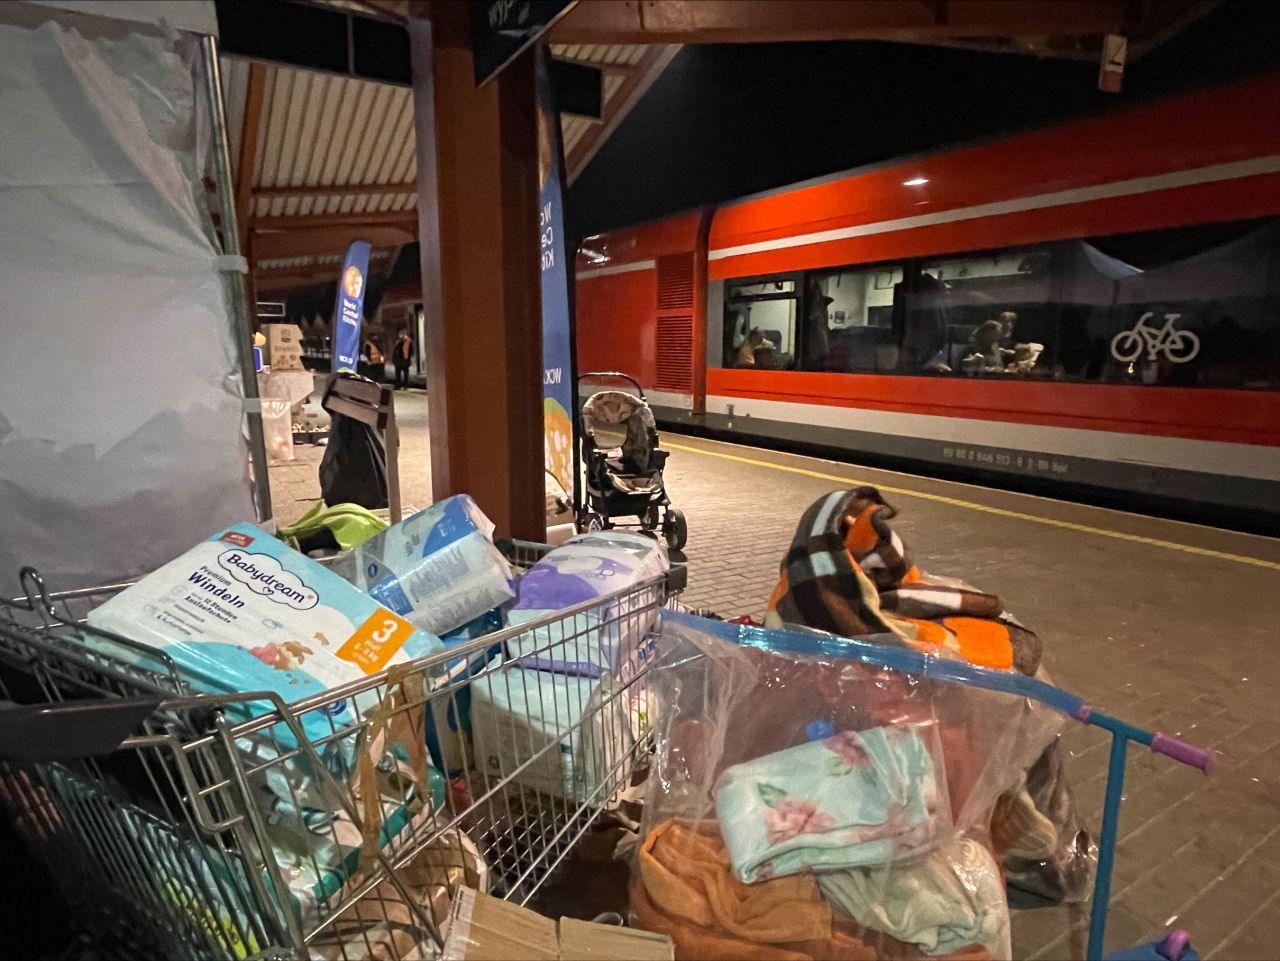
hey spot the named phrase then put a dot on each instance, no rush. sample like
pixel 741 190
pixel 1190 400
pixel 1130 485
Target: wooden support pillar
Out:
pixel 477 203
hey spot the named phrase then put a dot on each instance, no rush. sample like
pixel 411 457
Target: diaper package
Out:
pixel 565 736
pixel 243 612
pixel 606 637
pixel 438 568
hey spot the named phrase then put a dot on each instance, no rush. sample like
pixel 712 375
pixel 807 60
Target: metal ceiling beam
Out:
pixel 319 241
pixel 353 219
pixel 250 136
pixel 340 190
pixel 772 21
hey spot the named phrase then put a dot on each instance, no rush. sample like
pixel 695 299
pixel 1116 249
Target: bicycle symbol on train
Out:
pixel 1178 346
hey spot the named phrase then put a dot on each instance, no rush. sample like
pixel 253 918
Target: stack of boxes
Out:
pixel 284 346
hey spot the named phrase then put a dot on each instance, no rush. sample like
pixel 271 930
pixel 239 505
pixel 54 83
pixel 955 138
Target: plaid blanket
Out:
pixel 847 572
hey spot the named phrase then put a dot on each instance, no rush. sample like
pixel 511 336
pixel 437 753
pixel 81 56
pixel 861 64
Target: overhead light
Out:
pixel 915 182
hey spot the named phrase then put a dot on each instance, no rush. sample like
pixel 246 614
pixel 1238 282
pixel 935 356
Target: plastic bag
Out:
pixel 353 469
pixel 807 798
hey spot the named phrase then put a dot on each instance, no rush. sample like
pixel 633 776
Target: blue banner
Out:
pixel 557 312
pixel 348 310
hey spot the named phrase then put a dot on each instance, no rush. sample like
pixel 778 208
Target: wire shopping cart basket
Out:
pixel 181 824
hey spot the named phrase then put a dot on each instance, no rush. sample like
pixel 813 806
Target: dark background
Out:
pixel 724 121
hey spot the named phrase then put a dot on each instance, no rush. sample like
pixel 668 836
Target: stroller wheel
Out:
pixel 650 519
pixel 675 530
pixel 590 523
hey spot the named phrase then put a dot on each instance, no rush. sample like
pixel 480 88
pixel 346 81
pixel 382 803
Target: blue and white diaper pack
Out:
pixel 439 568
pixel 243 612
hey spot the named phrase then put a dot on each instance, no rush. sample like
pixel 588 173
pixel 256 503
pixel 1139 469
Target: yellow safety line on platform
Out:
pixel 1019 515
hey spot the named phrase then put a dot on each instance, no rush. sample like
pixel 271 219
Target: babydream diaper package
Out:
pixel 242 612
pixel 438 568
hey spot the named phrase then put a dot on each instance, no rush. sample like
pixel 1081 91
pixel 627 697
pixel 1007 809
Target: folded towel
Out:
pixel 686 889
pixel 952 898
pixel 854 799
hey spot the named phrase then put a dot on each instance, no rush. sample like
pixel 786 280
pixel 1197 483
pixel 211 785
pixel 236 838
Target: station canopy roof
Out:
pixel 324 158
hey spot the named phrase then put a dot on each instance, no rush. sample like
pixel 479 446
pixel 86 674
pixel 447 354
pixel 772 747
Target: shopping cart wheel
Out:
pixel 675 530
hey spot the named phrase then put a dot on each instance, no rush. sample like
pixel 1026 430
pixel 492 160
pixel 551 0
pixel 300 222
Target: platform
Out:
pixel 1169 625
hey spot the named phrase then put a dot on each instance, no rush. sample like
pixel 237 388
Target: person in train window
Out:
pixel 754 345
pixel 985 353
pixel 1007 321
pixel 816 338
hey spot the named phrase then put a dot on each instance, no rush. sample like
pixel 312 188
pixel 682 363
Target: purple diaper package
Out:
pixel 607 637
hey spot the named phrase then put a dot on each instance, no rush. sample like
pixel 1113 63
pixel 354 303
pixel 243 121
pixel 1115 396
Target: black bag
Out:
pixel 354 467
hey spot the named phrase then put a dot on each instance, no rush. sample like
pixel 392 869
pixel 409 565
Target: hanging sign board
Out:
pixel 1111 71
pixel 557 309
pixel 501 29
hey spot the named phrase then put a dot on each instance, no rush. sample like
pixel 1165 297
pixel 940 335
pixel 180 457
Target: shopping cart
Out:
pixel 181 824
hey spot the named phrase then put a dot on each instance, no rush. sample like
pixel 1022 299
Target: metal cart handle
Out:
pixel 40 733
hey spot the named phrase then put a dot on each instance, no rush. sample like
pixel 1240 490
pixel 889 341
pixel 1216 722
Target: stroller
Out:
pixel 623 464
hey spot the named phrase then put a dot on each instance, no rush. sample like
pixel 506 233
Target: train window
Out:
pixel 849 320
pixel 1196 306
pixel 1191 306
pixel 984 314
pixel 760 323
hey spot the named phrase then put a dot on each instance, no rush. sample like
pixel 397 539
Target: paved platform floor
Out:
pixel 1170 626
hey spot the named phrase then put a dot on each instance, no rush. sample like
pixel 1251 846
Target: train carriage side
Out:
pixel 1094 306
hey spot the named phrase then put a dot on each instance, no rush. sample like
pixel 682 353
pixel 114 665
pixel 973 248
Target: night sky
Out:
pixel 728 120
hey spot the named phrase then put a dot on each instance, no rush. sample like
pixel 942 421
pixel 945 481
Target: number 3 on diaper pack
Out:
pixel 376 641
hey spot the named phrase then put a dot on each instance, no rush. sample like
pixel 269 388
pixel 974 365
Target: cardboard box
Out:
pixel 484 928
pixel 584 941
pixel 284 346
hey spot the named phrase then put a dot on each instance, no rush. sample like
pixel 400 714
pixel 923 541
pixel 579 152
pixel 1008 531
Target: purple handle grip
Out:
pixel 1182 752
pixel 1175 945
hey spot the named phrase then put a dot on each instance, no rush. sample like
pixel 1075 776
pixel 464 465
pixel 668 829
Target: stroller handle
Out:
pixel 601 374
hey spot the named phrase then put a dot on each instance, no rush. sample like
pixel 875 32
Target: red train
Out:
pixel 1092 307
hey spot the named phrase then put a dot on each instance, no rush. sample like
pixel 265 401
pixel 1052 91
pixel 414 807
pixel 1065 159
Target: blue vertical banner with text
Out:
pixel 349 308
pixel 557 298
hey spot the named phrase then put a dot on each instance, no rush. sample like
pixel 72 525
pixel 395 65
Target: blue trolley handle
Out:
pixel 1121 735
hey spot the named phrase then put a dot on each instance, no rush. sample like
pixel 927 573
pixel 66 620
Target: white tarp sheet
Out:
pixel 120 404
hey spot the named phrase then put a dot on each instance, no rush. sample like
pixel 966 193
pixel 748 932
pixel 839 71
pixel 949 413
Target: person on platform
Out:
pixel 401 357
pixel 375 365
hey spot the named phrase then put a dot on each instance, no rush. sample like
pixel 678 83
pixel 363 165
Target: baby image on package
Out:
pixel 243 612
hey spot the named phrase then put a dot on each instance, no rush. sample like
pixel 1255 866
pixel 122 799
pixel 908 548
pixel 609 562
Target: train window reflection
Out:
pixel 1190 306
pixel 849 320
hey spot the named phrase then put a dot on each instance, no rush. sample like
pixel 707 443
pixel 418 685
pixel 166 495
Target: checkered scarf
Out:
pixel 822 586
pixel 847 572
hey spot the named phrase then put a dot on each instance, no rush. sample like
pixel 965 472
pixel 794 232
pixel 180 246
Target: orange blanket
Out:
pixel 687 890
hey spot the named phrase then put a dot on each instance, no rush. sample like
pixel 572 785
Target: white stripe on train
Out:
pixel 1209 457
